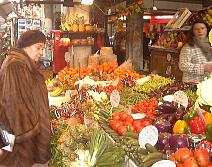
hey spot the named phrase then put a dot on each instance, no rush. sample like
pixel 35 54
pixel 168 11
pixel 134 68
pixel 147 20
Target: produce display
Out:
pixel 102 123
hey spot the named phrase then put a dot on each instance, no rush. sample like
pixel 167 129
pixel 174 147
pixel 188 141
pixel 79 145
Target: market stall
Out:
pixel 112 122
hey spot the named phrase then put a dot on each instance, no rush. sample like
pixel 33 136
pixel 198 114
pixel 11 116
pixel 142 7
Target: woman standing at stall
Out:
pixel 196 54
pixel 24 109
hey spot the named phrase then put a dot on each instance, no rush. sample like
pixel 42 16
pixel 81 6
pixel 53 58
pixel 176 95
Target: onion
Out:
pixel 177 141
pixel 162 125
pixel 163 140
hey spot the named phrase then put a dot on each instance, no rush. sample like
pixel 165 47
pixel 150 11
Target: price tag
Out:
pixel 181 98
pixel 164 163
pixel 149 134
pixel 115 98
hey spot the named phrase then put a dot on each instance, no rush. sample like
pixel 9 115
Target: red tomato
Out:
pixel 139 128
pixel 136 124
pixel 145 123
pixel 172 158
pixel 202 157
pixel 179 165
pixel 122 129
pixel 190 162
pixel 129 118
pixel 182 154
pixel 114 124
pixel 127 123
pixel 116 117
pixel 123 116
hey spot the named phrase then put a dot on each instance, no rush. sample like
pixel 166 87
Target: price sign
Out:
pixel 181 98
pixel 164 163
pixel 149 134
pixel 115 98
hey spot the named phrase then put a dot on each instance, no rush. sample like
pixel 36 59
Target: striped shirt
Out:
pixel 191 63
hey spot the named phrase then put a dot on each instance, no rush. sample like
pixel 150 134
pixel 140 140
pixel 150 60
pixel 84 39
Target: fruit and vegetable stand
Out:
pixel 116 117
pixel 165 52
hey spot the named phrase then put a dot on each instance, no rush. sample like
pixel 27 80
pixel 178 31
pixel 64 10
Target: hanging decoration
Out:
pixel 126 11
pixel 130 9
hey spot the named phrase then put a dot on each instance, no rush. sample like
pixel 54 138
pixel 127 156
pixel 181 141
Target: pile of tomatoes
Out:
pixel 122 122
pixel 147 106
pixel 185 157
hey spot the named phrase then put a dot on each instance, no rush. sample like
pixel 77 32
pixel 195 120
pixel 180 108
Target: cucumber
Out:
pixel 150 148
pixel 131 134
pixel 143 151
pixel 154 155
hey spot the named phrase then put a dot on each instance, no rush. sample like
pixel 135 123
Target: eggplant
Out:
pixel 162 125
pixel 159 110
pixel 180 113
pixel 163 140
pixel 168 107
pixel 177 141
pixel 163 116
pixel 171 118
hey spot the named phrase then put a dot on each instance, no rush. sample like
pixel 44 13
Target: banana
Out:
pixel 58 91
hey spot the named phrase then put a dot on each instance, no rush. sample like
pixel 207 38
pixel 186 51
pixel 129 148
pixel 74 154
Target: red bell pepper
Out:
pixel 197 125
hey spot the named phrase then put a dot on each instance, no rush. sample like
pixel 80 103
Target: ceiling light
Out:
pixel 154 8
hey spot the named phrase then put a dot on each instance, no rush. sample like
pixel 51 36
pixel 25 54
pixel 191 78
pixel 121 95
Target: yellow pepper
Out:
pixel 179 127
pixel 208 117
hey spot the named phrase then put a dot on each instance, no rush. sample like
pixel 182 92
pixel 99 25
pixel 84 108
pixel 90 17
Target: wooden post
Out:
pixel 134 42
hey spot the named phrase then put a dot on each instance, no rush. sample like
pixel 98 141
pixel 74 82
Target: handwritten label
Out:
pixel 169 70
pixel 149 134
pixel 168 57
pixel 115 98
pixel 164 163
pixel 181 98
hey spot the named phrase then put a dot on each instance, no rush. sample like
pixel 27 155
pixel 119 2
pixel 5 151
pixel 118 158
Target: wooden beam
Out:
pixel 48 2
pixel 206 3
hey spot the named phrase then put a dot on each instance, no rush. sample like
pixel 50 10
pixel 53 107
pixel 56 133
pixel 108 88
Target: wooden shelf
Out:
pixel 159 48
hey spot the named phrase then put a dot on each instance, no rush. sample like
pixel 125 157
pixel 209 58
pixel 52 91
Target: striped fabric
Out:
pixel 191 63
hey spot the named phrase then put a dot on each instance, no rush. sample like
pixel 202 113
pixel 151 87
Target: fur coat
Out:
pixel 24 111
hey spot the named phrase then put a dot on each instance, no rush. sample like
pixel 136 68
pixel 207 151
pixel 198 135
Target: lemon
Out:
pixel 210 37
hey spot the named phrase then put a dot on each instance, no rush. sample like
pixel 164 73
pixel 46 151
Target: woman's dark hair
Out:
pixel 190 36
